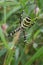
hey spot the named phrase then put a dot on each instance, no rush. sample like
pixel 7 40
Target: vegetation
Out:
pixel 13 50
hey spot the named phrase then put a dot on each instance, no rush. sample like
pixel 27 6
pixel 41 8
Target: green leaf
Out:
pixel 3 39
pixel 15 9
pixel 2 52
pixel 36 34
pixel 23 2
pixel 40 3
pixel 8 58
pixel 8 3
pixel 37 55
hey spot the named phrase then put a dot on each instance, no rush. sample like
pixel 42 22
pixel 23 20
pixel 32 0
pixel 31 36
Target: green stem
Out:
pixel 5 12
pixel 38 54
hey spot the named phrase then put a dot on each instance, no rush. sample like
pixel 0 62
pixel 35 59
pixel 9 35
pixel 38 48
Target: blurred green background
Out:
pixel 14 51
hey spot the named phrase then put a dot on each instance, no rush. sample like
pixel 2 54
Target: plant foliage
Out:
pixel 13 50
